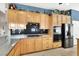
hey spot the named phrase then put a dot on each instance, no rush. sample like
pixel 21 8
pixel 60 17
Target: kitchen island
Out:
pixel 33 44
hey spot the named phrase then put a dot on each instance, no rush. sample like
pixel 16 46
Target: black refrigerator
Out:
pixel 67 37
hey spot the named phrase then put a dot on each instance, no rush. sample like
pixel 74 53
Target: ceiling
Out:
pixel 64 6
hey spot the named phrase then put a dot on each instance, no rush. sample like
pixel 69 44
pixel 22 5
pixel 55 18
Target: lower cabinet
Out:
pixel 15 51
pixel 50 42
pixel 38 45
pixel 47 43
pixel 25 46
pixel 30 45
pixel 56 44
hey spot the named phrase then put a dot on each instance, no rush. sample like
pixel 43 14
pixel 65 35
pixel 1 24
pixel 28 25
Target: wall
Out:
pixel 2 7
pixel 75 14
pixel 31 8
pixel 75 30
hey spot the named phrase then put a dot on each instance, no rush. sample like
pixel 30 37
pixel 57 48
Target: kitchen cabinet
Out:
pixel 68 20
pixel 29 16
pixel 59 20
pixel 55 19
pixel 57 44
pixel 11 53
pixel 17 49
pixel 30 45
pixel 50 43
pixel 64 19
pixel 36 17
pixel 23 46
pixel 45 44
pixel 12 16
pixel 47 19
pixel 44 21
pixel 21 17
pixel 38 44
pixel 27 46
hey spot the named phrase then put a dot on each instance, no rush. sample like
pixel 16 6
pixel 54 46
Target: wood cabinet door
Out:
pixel 38 44
pixel 56 44
pixel 68 20
pixel 17 49
pixel 30 45
pixel 54 18
pixel 47 20
pixel 12 52
pixel 59 20
pixel 45 44
pixel 12 16
pixel 36 17
pixel 23 46
pixel 42 21
pixel 29 16
pixel 64 19
pixel 21 17
pixel 50 42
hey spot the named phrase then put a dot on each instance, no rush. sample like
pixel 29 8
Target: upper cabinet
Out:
pixel 29 16
pixel 21 17
pixel 64 19
pixel 36 17
pixel 44 21
pixel 68 20
pixel 59 20
pixel 54 19
pixel 12 16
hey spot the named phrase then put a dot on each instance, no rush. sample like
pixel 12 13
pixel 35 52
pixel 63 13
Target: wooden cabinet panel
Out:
pixel 45 43
pixel 38 45
pixel 36 17
pixel 47 25
pixel 68 20
pixel 54 18
pixel 12 52
pixel 12 16
pixel 29 16
pixel 64 19
pixel 59 20
pixel 50 42
pixel 23 46
pixel 21 17
pixel 17 49
pixel 56 44
pixel 44 21
pixel 30 45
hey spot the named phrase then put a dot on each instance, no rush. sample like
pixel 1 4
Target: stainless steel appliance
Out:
pixel 57 33
pixel 67 38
